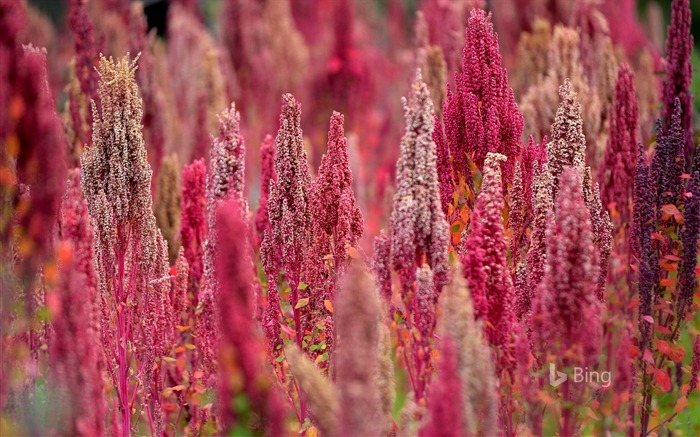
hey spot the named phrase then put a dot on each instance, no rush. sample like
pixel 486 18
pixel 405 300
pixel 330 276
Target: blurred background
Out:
pixel 354 56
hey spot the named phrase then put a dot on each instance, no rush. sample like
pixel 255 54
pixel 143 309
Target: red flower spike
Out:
pixel 617 168
pixel 77 359
pixel 267 175
pixel 193 225
pixel 481 115
pixel 483 255
pixel 445 403
pixel 241 350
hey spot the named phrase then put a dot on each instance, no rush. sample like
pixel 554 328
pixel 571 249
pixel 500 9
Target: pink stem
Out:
pixel 122 341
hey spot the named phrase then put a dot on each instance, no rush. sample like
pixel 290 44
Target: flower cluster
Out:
pixel 179 257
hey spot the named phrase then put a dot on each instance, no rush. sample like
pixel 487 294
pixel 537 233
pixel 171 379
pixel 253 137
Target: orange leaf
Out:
pixel 677 354
pixel 668 282
pixel 681 403
pixel 663 380
pixel 352 253
pixel 329 305
pixel 685 388
pixel 669 266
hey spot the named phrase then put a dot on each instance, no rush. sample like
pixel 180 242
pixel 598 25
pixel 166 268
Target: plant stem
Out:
pixel 121 302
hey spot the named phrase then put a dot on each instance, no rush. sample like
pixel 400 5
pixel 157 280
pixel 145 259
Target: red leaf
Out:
pixel 677 353
pixel 663 380
pixel 669 210
pixel 663 347
pixel 648 319
pixel 634 351
pixel 662 329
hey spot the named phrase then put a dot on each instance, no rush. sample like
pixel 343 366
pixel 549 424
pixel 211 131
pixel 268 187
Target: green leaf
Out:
pixel 301 303
pixel 280 358
pixel 169 359
pixel 302 286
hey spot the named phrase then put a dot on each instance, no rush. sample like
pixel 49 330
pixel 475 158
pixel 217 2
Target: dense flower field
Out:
pixel 464 232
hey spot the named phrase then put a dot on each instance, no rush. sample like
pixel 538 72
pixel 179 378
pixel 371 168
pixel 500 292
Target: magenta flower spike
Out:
pixel 267 175
pixel 679 72
pixel 483 255
pixel 481 114
pixel 336 220
pixel 566 306
pixel 77 359
pixel 193 223
pixel 241 353
pixel 285 245
pixel 445 403
pixel 225 180
pixel 617 168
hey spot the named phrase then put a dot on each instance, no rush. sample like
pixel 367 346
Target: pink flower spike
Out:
pixel 484 257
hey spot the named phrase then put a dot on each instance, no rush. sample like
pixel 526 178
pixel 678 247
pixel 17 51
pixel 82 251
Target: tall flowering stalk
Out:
pixel 357 375
pixel 446 404
pixel 288 206
pixel 225 181
pixel 77 359
pixel 267 175
pixel 285 245
pixel 679 72
pixel 419 233
pixel 87 48
pixel 193 224
pixel 168 202
pixel 131 261
pixel 617 168
pixel 483 254
pixel 360 401
pixel 666 213
pixel 480 114
pixel 474 360
pixel 336 227
pixel 521 216
pixel 567 310
pixel 568 148
pixel 36 144
pixel 241 350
